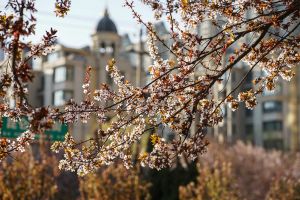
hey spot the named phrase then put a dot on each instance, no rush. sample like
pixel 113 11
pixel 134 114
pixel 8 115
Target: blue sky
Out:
pixel 76 28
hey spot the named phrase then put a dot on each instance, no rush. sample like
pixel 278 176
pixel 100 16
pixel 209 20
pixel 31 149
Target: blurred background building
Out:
pixel 59 76
pixel 273 123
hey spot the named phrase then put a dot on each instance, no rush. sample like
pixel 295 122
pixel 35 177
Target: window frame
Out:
pixel 68 76
pixel 278 106
pixel 277 125
pixel 64 100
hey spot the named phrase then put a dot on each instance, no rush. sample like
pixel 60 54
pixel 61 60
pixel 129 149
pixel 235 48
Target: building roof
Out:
pixel 106 24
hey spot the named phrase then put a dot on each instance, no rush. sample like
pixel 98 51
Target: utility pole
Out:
pixel 141 53
pixel 141 59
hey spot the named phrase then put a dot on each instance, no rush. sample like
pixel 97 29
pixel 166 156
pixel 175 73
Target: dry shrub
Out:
pixel 284 189
pixel 114 182
pixel 27 178
pixel 254 174
pixel 212 183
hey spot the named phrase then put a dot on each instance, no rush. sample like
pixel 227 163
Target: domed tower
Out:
pixel 106 40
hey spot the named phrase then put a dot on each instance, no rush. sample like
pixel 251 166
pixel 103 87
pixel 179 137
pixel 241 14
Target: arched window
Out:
pixel 102 48
pixel 113 46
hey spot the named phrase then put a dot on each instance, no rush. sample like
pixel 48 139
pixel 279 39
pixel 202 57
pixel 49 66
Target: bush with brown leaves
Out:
pixel 114 183
pixel 246 172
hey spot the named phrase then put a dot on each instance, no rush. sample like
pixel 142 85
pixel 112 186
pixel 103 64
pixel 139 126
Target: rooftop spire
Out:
pixel 106 12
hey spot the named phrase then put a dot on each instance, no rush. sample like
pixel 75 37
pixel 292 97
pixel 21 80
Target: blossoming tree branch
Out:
pixel 261 34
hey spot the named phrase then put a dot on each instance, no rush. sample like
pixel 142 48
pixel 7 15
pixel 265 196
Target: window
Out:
pixel 52 57
pixel 41 100
pixel 248 112
pixel 36 63
pixel 249 133
pixel 272 126
pixel 233 114
pixel 79 58
pixel 61 96
pixel 113 46
pixel 272 106
pixel 109 50
pixel 42 84
pixel 62 74
pixel 102 48
pixel 249 129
